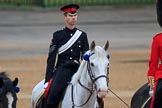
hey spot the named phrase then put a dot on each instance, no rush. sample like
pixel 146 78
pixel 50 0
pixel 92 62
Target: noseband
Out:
pixel 93 79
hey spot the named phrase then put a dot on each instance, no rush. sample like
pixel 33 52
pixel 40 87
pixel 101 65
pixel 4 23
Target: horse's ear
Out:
pixel 1 82
pixel 93 45
pixel 15 82
pixel 106 46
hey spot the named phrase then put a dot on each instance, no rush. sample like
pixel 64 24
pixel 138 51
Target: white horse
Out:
pixel 90 81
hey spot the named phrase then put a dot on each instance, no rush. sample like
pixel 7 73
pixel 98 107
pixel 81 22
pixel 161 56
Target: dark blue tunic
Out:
pixel 65 66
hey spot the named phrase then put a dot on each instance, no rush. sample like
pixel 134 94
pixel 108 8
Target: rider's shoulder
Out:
pixel 83 32
pixel 158 36
pixel 59 31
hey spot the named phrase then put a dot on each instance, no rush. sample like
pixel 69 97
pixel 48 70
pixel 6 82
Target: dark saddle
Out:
pixel 147 103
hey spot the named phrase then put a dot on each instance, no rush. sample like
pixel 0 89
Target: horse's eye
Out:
pixel 108 56
pixel 92 64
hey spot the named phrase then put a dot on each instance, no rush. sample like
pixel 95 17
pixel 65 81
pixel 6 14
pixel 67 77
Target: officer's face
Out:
pixel 70 19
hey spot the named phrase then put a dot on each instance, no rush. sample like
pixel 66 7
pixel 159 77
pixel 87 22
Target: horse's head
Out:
pixel 8 96
pixel 98 67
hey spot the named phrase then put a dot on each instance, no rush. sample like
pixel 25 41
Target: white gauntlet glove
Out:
pixel 45 85
pixel 151 92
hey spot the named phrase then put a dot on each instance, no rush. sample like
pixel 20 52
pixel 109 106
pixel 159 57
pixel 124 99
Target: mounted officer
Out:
pixel 67 45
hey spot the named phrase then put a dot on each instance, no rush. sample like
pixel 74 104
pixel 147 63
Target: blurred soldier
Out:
pixel 155 64
pixel 69 44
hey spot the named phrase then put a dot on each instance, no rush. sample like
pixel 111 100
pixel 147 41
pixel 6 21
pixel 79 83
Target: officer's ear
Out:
pixel 65 14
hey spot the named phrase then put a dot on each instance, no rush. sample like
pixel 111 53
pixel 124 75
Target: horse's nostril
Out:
pixel 102 94
pixel 102 90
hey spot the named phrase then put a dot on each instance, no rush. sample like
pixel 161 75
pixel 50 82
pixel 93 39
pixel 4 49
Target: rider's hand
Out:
pixel 45 85
pixel 151 81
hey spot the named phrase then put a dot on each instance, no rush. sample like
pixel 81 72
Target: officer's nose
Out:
pixel 73 19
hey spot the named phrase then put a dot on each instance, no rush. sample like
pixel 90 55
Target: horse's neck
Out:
pixel 81 75
pixel 85 78
pixel 82 92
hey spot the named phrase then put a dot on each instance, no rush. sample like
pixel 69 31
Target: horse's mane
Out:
pixel 3 75
pixel 77 75
pixel 98 52
pixel 5 79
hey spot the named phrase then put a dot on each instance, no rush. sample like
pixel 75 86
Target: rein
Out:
pixel 92 76
pixel 72 91
pixel 90 73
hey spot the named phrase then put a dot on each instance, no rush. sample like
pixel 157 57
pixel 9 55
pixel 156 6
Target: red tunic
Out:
pixel 155 66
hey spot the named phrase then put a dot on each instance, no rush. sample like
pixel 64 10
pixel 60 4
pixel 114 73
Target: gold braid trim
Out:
pixel 152 81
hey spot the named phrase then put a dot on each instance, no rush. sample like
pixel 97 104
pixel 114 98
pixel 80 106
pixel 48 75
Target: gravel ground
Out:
pixel 25 37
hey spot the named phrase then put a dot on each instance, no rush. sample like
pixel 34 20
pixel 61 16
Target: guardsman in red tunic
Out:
pixel 155 64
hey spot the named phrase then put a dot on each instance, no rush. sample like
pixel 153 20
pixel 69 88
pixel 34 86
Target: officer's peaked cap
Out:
pixel 71 8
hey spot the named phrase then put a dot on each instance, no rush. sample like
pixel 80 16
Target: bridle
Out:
pixel 93 79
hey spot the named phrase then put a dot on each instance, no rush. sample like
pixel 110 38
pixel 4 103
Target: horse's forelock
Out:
pixel 99 51
pixel 77 75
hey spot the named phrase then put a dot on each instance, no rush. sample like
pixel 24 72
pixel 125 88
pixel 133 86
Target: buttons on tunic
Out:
pixel 71 50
